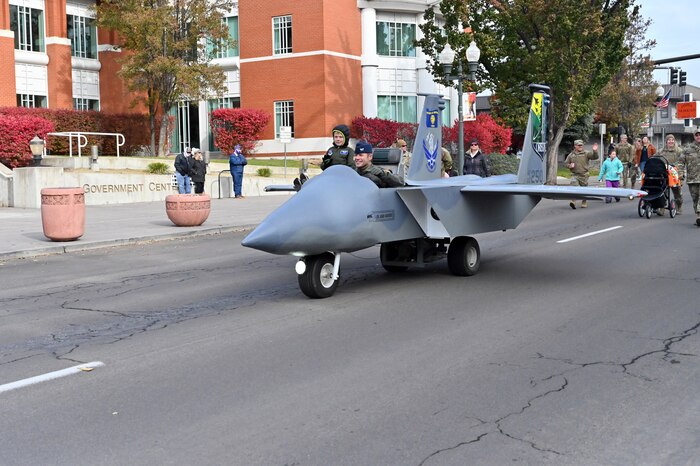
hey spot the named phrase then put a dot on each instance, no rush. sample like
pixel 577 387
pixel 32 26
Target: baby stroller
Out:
pixel 657 179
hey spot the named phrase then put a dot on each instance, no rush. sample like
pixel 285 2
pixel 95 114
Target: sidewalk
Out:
pixel 21 233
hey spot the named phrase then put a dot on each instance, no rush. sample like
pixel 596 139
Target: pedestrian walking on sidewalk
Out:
pixel 199 171
pixel 182 171
pixel 577 162
pixel 236 163
pixel 611 171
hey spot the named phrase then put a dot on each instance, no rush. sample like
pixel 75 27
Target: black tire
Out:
pixel 317 280
pixel 385 250
pixel 640 208
pixel 464 256
pixel 672 208
pixel 647 211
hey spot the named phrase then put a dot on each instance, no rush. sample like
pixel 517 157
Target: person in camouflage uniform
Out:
pixel 577 162
pixel 672 153
pixel 689 162
pixel 624 154
pixel 363 163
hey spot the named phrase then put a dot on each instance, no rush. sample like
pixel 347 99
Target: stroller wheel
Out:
pixel 647 211
pixel 640 208
pixel 672 208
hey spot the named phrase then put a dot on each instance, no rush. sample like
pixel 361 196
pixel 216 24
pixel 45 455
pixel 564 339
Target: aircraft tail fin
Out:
pixel 426 161
pixel 533 162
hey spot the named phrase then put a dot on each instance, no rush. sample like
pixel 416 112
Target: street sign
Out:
pixel 469 104
pixel 285 134
pixel 687 110
pixel 602 129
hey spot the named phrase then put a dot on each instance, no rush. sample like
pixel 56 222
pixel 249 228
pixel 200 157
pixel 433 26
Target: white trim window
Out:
pixel 83 36
pixel 83 104
pixel 28 25
pixel 284 116
pixel 401 108
pixel 395 39
pixel 31 101
pixel 282 35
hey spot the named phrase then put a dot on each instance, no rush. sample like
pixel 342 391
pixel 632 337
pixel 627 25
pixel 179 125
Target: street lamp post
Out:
pixel 37 147
pixel 447 57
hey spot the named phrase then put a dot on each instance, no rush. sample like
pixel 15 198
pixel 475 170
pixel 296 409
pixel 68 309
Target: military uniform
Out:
pixel 624 153
pixel 672 156
pixel 380 177
pixel 579 158
pixel 446 160
pixel 339 155
pixel 689 161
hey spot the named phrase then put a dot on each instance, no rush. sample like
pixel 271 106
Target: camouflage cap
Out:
pixel 578 142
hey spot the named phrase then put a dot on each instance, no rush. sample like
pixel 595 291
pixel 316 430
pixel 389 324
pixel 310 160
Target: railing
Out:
pixel 80 136
pixel 218 180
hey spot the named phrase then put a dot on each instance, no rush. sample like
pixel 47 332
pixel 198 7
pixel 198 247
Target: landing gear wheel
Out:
pixel 317 280
pixel 672 208
pixel 385 250
pixel 464 256
pixel 640 208
pixel 647 211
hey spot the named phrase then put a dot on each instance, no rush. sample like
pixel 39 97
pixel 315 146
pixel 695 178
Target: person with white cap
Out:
pixel 183 168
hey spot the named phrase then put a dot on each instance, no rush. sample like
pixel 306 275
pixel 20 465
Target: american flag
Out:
pixel 663 103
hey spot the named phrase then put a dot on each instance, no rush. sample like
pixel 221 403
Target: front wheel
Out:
pixel 317 280
pixel 672 210
pixel 464 256
pixel 640 208
pixel 647 211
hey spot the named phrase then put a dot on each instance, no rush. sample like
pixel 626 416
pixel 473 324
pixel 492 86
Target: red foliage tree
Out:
pixel 15 134
pixel 243 126
pixel 493 138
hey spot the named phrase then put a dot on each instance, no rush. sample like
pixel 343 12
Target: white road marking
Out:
pixel 50 376
pixel 589 234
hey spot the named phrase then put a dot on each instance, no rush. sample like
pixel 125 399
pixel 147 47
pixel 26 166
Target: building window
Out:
pixel 224 102
pixel 396 39
pixel 446 120
pixel 80 103
pixel 31 100
pixel 284 116
pixel 83 36
pixel 282 35
pixel 28 26
pixel 397 108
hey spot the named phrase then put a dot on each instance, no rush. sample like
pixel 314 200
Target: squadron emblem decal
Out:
pixel 430 149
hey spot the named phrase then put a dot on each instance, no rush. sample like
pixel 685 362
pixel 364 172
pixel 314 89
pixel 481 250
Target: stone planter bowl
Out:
pixel 63 213
pixel 188 210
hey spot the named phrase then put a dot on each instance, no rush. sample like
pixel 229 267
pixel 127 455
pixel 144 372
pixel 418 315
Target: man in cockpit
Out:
pixel 363 164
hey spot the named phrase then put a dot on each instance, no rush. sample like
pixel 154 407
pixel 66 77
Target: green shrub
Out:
pixel 266 172
pixel 158 168
pixel 502 164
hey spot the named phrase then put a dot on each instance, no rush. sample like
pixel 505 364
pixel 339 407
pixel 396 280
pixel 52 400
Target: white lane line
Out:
pixel 50 376
pixel 589 234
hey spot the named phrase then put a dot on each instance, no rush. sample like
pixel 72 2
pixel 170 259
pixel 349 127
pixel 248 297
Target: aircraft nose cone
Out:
pixel 328 214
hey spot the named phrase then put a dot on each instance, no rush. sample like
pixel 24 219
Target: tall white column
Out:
pixel 370 62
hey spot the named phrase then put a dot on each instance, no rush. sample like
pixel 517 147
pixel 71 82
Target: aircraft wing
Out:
pixel 553 192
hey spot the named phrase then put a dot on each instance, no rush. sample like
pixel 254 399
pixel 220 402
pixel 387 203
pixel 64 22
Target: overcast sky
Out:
pixel 675 29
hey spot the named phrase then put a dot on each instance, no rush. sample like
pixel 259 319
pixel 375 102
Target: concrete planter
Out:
pixel 188 210
pixel 63 213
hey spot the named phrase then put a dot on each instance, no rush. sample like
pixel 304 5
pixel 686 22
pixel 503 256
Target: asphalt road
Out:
pixel 584 352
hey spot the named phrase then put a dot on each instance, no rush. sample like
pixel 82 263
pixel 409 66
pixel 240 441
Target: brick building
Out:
pixel 310 64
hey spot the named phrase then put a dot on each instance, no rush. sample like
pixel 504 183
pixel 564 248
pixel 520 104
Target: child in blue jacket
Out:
pixel 611 170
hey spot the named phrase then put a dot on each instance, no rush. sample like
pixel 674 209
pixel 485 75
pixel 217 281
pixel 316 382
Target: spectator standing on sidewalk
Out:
pixel 611 171
pixel 644 153
pixel 624 155
pixel 475 163
pixel 577 162
pixel 672 153
pixel 689 162
pixel 182 171
pixel 199 171
pixel 236 162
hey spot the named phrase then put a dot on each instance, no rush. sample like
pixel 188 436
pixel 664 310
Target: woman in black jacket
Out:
pixel 198 171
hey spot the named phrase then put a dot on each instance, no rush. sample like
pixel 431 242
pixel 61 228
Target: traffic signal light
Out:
pixel 681 78
pixel 674 75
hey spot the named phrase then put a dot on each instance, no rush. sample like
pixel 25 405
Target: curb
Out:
pixel 76 246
